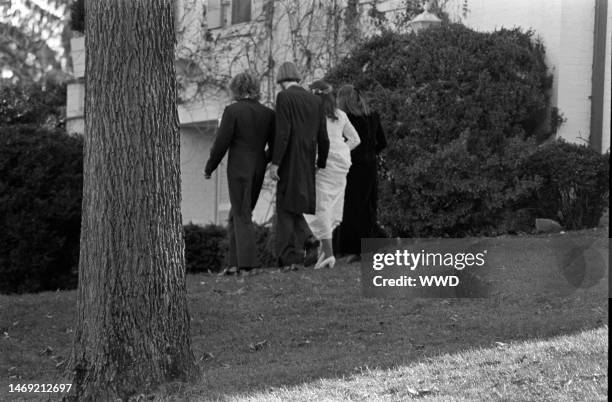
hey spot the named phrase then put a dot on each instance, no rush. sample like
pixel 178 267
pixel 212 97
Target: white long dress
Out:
pixel 331 181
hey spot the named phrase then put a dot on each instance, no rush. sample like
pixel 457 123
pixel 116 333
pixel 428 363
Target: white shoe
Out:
pixel 328 262
pixel 319 261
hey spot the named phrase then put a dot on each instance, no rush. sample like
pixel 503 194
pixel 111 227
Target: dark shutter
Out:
pixel 241 11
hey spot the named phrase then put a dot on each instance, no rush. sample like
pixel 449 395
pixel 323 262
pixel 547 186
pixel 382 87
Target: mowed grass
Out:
pixel 310 335
pixel 567 368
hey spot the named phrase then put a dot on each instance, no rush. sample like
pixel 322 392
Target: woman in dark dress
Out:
pixel 361 196
pixel 246 128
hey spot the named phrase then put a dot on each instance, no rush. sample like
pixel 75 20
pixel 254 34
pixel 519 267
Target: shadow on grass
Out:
pixel 282 329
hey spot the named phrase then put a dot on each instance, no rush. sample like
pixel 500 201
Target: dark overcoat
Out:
pixel 361 194
pixel 246 127
pixel 300 145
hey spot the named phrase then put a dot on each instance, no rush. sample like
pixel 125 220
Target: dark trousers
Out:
pixel 243 194
pixel 242 248
pixel 291 234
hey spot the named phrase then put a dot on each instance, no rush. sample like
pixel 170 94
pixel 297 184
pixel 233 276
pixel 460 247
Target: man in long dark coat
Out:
pixel 246 128
pixel 301 145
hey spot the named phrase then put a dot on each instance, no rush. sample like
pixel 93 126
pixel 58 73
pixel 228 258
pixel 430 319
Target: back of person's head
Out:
pixel 287 72
pixel 324 91
pixel 350 100
pixel 245 86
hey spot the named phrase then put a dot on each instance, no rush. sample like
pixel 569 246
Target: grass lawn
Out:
pixel 310 335
pixel 560 369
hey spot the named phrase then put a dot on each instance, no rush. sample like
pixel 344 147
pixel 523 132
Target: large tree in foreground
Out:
pixel 133 325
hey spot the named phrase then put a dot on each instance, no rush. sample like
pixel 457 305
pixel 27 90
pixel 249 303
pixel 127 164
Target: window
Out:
pixel 213 13
pixel 217 12
pixel 241 11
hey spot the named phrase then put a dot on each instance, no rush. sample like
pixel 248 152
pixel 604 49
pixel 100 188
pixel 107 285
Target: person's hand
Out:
pixel 206 175
pixel 274 172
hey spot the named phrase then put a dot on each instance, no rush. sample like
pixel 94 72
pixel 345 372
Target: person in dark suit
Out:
pixel 246 128
pixel 301 145
pixel 359 219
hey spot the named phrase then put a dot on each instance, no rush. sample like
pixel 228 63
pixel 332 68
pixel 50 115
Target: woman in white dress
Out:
pixel 331 181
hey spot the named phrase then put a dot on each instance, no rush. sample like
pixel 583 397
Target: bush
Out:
pixel 264 239
pixel 575 180
pixel 35 103
pixel 451 192
pixel 206 247
pixel 40 208
pixel 459 108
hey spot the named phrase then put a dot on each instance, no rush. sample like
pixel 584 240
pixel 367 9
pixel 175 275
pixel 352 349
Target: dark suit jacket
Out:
pixel 246 127
pixel 301 135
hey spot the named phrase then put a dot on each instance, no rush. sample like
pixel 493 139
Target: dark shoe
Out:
pixel 249 271
pixel 353 258
pixel 229 271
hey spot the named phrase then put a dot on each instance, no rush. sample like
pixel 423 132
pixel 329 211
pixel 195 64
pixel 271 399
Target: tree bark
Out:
pixel 133 325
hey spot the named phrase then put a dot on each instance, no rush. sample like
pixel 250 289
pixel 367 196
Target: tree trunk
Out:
pixel 132 326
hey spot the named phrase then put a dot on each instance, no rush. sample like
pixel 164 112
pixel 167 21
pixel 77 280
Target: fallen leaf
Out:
pixel 46 351
pixel 412 391
pixel 521 359
pixel 501 344
pixel 238 292
pixel 253 347
pixel 427 391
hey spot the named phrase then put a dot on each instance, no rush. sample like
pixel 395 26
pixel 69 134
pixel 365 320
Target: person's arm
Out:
pixel 349 132
pixel 322 140
pixel 225 133
pixel 381 141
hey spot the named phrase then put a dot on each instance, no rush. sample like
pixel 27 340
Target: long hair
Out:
pixel 350 100
pixel 245 86
pixel 324 91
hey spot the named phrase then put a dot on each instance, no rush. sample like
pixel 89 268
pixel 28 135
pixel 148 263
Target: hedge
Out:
pixel 40 208
pixel 574 183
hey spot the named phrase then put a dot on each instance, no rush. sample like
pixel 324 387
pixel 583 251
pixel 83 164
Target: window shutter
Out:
pixel 241 11
pixel 213 14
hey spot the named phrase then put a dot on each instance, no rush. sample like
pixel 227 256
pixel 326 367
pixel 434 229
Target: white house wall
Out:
pixel 198 196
